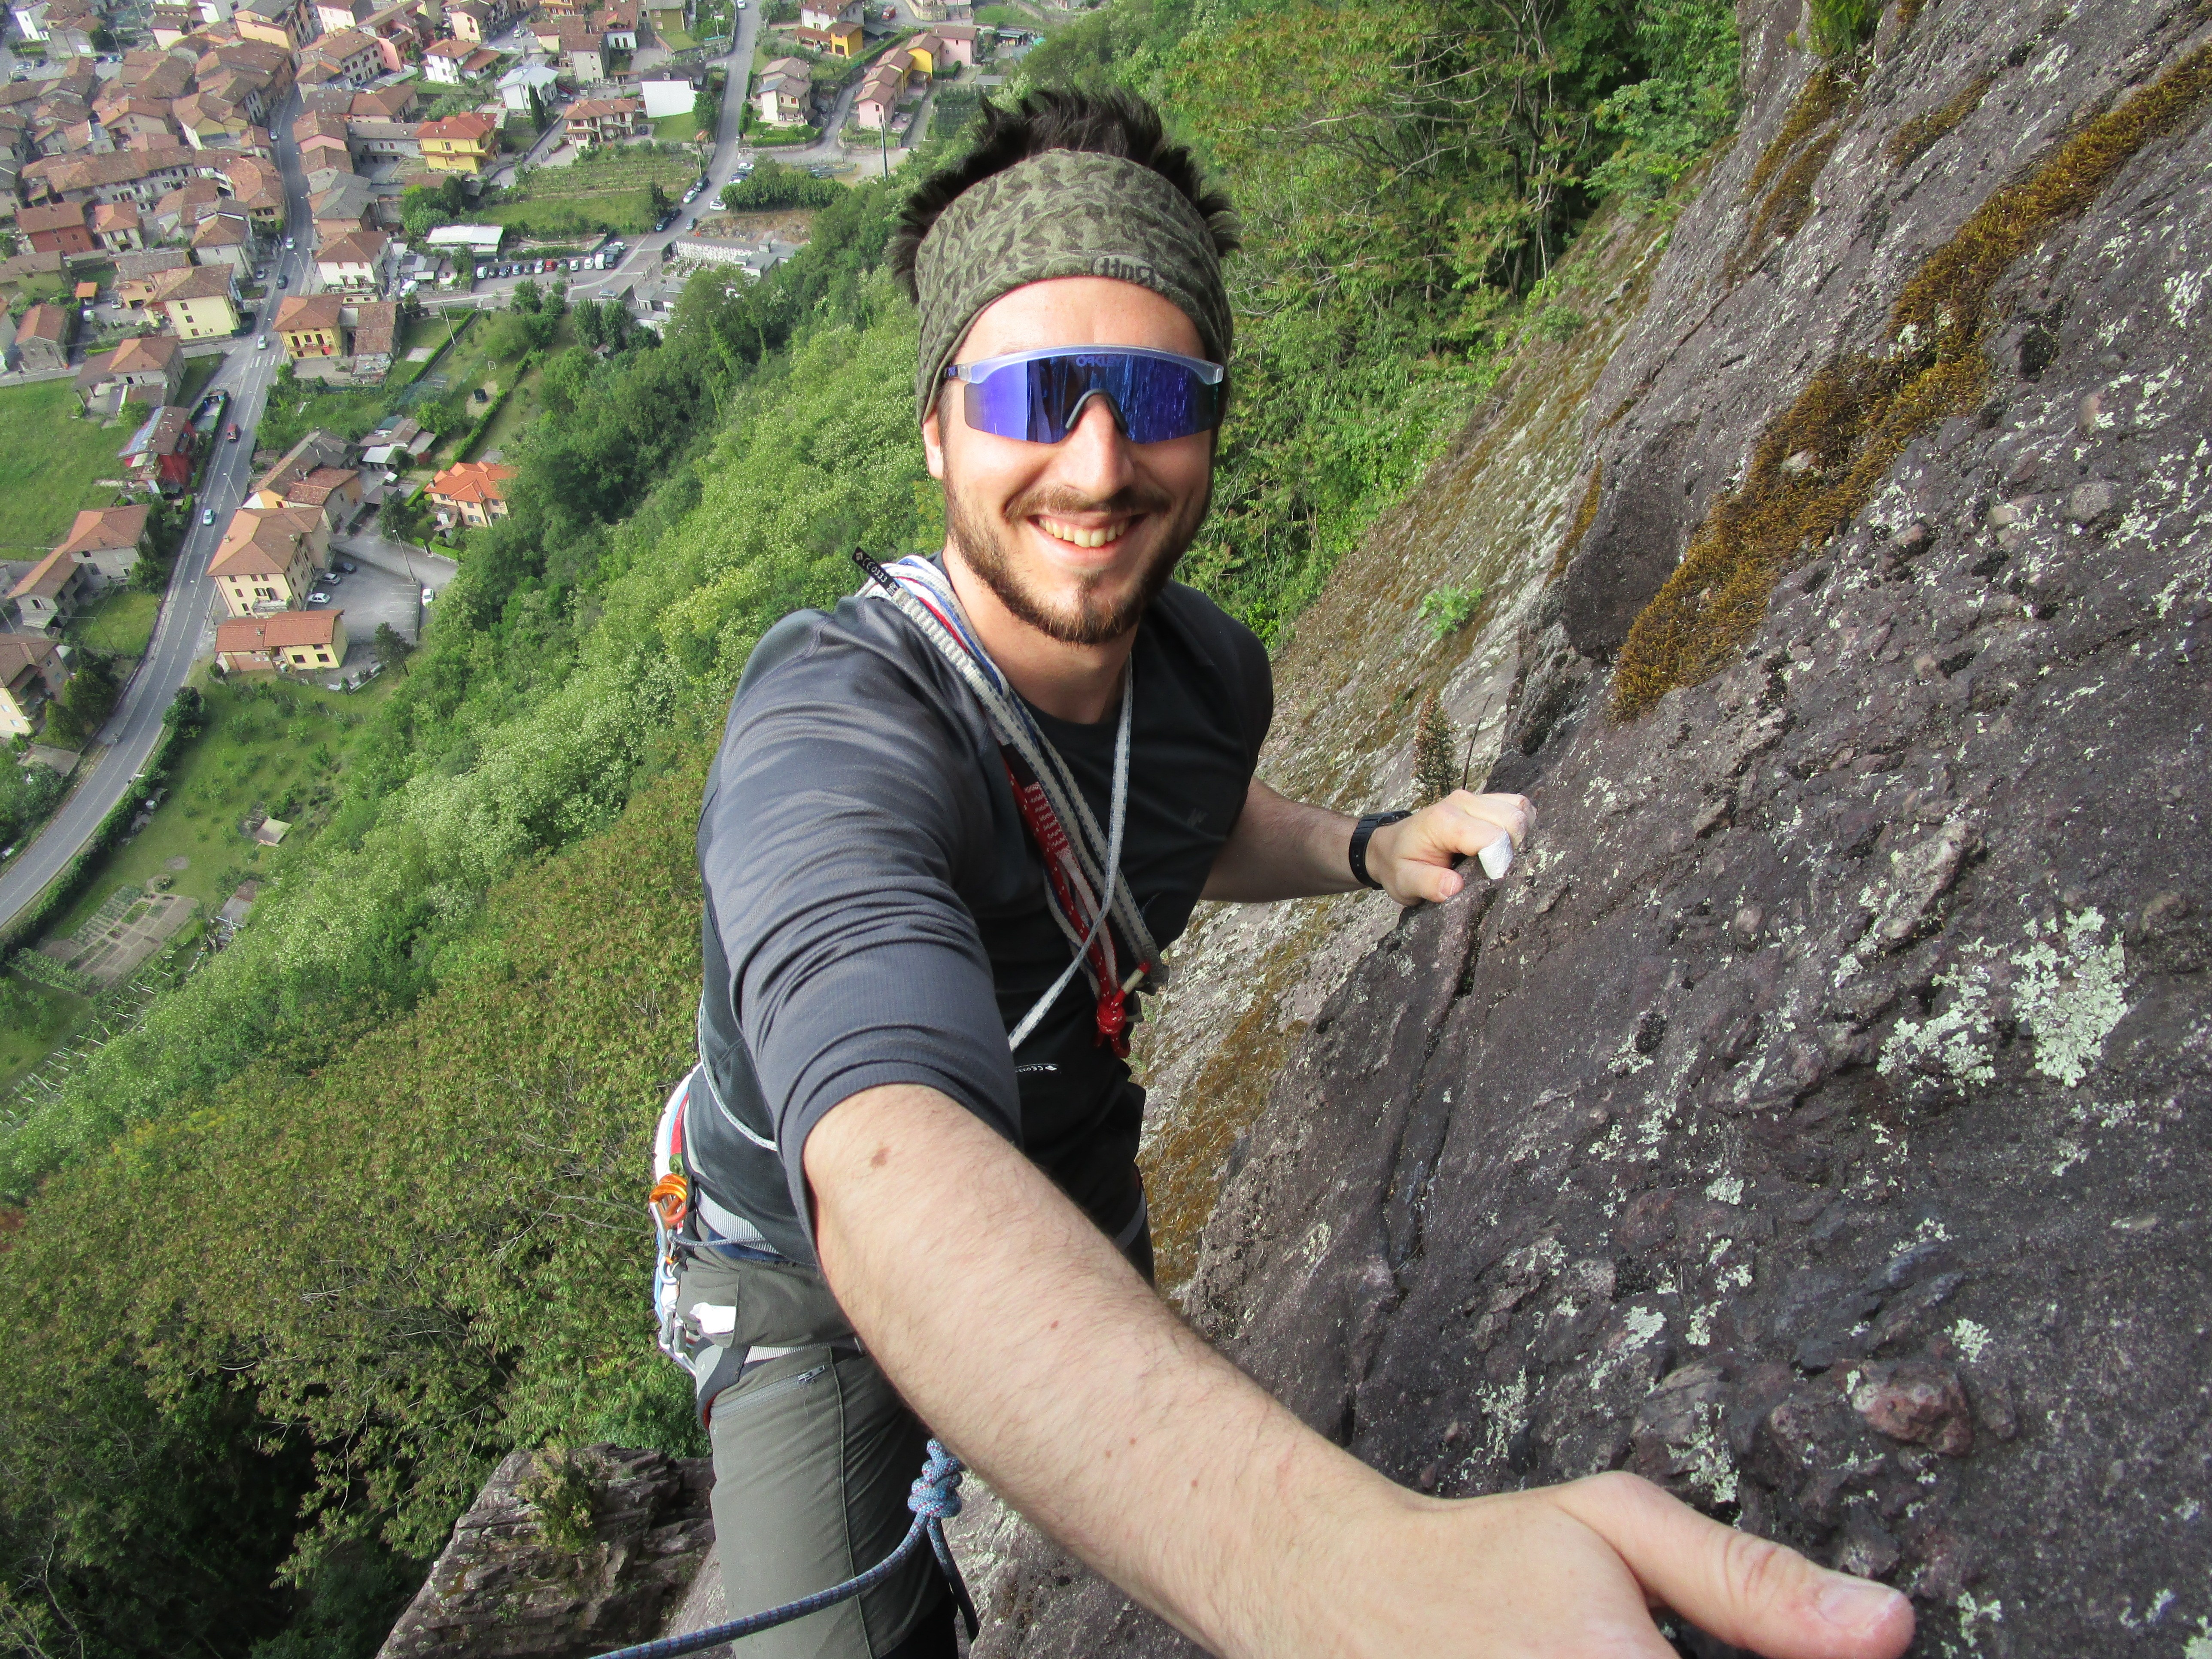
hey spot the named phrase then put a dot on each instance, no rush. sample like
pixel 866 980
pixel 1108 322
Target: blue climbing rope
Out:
pixel 934 1499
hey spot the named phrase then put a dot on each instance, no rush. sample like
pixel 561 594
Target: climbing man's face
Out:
pixel 1073 538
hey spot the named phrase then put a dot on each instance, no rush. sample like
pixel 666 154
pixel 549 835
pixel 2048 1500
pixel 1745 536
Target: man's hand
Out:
pixel 1413 858
pixel 1573 1572
pixel 1038 1355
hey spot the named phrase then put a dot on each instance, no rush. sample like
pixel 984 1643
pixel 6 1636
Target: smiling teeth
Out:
pixel 1075 536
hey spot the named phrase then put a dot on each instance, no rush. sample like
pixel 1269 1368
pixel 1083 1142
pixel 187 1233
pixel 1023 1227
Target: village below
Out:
pixel 284 283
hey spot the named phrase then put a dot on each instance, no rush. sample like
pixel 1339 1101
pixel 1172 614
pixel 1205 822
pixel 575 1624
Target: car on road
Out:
pixel 261 343
pixel 428 595
pixel 333 577
pixel 287 244
pixel 284 282
pixel 346 565
pixel 233 433
pixel 207 515
pixel 318 597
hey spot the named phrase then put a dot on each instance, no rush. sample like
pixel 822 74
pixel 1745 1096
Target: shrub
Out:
pixel 1446 610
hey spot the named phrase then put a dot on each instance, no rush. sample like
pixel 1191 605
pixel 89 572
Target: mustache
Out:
pixel 1059 500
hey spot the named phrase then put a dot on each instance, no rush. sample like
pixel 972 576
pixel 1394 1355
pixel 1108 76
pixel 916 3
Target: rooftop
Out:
pixel 104 529
pixel 278 631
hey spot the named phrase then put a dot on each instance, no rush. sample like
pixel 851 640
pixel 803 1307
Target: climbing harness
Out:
pixel 934 1499
pixel 1084 887
pixel 1045 793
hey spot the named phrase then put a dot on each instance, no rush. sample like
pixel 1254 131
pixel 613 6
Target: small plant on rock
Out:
pixel 563 1491
pixel 1446 610
pixel 1434 776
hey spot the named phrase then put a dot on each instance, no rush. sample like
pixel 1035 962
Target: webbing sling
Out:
pixel 1045 791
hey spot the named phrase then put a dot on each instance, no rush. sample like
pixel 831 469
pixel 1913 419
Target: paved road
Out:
pixel 178 637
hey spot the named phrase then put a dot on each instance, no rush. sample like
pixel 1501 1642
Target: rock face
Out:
pixel 1817 1120
pixel 504 1590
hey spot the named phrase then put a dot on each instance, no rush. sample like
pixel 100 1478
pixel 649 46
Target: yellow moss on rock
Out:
pixel 1585 513
pixel 1821 461
pixel 1924 131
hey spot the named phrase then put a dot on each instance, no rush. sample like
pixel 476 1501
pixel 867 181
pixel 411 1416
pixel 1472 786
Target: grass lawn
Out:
pixel 198 371
pixel 278 752
pixel 288 415
pixel 49 457
pixel 34 1020
pixel 120 623
pixel 676 128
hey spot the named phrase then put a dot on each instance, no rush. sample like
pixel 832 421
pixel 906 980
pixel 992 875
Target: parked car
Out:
pixel 346 565
pixel 233 433
pixel 333 577
pixel 207 515
pixel 287 244
pixel 284 282
pixel 428 595
pixel 318 597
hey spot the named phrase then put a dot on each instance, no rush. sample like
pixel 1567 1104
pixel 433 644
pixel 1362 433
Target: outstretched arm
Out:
pixel 1015 1330
pixel 1282 849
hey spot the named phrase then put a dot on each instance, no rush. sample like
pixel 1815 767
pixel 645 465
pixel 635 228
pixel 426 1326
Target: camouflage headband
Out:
pixel 1065 213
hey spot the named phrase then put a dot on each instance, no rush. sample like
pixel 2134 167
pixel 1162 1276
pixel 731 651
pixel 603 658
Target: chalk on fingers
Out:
pixel 1497 858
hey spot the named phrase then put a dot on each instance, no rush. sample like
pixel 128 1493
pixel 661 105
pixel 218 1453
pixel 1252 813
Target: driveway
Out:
pixel 402 562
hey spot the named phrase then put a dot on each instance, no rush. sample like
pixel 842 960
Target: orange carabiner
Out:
pixel 671 1198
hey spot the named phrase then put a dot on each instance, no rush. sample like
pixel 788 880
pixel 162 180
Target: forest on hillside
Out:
pixel 358 1207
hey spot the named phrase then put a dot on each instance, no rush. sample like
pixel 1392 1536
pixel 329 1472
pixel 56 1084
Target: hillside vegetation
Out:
pixel 357 1208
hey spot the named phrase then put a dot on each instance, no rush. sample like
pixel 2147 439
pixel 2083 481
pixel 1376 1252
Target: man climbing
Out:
pixel 951 825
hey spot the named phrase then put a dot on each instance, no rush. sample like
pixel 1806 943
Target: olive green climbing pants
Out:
pixel 814 1455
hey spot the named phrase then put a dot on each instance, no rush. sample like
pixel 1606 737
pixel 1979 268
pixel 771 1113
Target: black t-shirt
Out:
pixel 876 910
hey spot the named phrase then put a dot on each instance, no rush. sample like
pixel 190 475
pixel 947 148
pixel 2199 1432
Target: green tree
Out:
pixel 528 296
pixel 150 575
pixel 392 650
pixel 773 184
pixel 75 718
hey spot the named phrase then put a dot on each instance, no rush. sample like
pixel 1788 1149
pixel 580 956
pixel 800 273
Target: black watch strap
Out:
pixel 1360 834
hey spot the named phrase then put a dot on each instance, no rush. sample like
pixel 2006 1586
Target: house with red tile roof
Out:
pixel 306 640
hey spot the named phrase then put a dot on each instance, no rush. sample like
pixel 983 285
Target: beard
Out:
pixel 985 541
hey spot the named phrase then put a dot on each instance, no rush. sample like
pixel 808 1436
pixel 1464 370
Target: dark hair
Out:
pixel 1104 123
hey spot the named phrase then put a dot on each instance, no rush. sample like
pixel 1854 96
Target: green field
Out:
pixel 676 128
pixel 198 371
pixel 605 190
pixel 34 1021
pixel 277 752
pixel 119 623
pixel 49 457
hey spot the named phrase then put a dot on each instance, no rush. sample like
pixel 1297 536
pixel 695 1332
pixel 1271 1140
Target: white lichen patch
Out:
pixel 2182 291
pixel 1727 1189
pixel 1505 1414
pixel 1639 1326
pixel 1709 1465
pixel 2069 995
pixel 1972 1612
pixel 1959 1042
pixel 2199 1646
pixel 1972 1340
pixel 1317 1241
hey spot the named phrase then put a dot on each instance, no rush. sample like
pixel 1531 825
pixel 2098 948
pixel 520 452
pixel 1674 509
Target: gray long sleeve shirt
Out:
pixel 875 911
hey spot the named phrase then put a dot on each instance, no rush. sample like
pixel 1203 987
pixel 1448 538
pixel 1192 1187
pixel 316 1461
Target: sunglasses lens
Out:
pixel 1040 400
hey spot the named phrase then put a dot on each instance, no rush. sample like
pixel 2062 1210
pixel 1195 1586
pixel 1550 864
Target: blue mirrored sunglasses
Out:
pixel 1037 396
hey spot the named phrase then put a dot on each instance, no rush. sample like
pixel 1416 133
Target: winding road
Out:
pixel 123 745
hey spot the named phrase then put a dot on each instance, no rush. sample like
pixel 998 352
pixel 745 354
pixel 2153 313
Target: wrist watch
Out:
pixel 1360 834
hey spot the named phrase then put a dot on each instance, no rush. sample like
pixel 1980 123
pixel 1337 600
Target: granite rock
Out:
pixel 1817 1120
